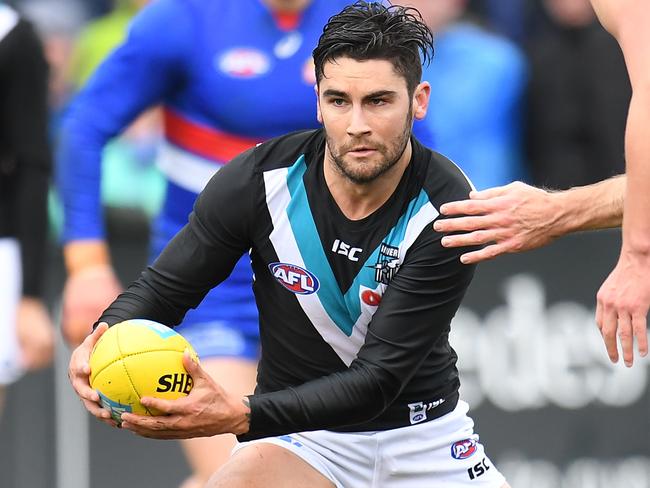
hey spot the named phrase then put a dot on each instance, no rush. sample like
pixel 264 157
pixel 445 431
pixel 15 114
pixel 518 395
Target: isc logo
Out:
pixel 181 382
pixel 294 278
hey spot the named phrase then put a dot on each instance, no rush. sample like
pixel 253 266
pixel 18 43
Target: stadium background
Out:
pixel 551 409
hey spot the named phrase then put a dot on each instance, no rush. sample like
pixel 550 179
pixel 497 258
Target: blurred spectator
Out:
pixel 130 178
pixel 477 79
pixel 26 332
pixel 578 97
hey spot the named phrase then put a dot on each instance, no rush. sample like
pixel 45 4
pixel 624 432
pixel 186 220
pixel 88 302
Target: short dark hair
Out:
pixel 371 30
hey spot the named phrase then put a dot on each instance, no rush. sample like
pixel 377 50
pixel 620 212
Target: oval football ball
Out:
pixel 138 358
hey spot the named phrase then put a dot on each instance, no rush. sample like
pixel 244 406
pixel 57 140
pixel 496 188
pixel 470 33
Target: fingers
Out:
pixel 485 254
pixel 608 331
pixel 461 224
pixel 79 374
pixel 475 238
pixel 489 192
pixel 467 207
pixel 164 406
pixel 626 338
pixel 640 333
pixel 159 427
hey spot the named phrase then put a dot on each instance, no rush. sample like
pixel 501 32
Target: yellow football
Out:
pixel 138 358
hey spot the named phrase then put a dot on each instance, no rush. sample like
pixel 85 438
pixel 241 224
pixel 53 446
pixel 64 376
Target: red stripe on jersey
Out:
pixel 287 21
pixel 202 140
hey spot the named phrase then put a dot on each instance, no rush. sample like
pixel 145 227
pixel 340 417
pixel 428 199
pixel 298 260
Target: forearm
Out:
pixel 636 223
pixel 592 207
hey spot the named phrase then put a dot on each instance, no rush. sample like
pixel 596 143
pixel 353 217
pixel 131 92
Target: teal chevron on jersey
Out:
pixel 305 234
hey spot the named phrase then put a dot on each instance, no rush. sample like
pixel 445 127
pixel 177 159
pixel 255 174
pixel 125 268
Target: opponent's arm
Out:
pixel 518 217
pixel 138 74
pixel 623 300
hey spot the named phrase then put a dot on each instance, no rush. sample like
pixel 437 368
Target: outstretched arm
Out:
pixel 518 217
pixel 624 298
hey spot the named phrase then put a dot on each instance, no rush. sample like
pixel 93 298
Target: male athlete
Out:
pixel 518 217
pixel 228 74
pixel 357 383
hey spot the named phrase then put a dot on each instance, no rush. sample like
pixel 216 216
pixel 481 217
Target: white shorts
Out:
pixel 444 452
pixel 10 291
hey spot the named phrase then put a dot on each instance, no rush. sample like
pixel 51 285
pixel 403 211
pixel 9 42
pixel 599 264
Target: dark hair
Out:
pixel 370 30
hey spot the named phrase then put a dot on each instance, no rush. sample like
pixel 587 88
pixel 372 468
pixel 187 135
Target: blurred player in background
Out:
pixel 518 217
pixel 228 74
pixel 477 83
pixel 26 331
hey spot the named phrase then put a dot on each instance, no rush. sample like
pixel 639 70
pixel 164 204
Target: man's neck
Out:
pixel 287 6
pixel 357 200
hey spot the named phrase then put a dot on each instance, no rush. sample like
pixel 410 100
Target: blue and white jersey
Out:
pixel 354 314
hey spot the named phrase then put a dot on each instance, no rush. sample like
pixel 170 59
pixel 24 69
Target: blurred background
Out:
pixel 533 90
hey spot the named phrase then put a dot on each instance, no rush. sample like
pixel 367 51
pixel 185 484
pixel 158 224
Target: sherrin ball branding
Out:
pixel 138 358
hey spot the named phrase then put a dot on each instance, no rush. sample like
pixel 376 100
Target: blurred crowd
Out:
pixel 533 90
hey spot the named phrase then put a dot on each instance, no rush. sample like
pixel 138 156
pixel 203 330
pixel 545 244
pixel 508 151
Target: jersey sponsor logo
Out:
pixel 418 411
pixel 479 469
pixel 340 247
pixel 463 449
pixel 387 263
pixel 294 278
pixel 242 62
pixel 288 45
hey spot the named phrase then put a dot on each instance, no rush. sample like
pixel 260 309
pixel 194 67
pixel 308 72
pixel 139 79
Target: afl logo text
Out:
pixel 294 278
pixel 463 449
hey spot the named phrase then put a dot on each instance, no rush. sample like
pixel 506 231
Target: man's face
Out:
pixel 367 114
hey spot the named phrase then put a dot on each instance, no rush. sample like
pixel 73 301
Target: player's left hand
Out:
pixel 622 306
pixel 208 410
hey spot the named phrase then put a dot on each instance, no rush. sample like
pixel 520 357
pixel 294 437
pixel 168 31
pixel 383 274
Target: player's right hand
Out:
pixel 87 293
pixel 79 374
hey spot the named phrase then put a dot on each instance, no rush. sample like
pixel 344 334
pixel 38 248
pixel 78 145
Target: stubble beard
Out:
pixel 391 155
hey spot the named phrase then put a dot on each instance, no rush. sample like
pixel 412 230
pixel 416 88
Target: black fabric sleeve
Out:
pixel 25 159
pixel 201 255
pixel 415 311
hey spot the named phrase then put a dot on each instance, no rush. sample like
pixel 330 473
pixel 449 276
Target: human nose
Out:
pixel 358 124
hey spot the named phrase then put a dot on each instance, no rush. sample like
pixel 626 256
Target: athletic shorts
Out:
pixel 226 323
pixel 442 453
pixel 10 286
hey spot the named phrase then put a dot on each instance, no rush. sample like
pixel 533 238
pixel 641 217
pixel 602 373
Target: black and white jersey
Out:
pixel 354 315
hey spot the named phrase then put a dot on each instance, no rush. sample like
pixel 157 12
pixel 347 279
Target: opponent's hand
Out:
pixel 208 410
pixel 622 306
pixel 87 293
pixel 512 218
pixel 79 374
pixel 35 333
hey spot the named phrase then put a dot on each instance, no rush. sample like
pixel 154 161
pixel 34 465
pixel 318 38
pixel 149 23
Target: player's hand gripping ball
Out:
pixel 138 358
